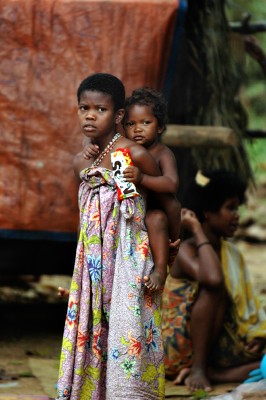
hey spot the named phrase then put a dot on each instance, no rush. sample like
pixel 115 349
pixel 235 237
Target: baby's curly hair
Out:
pixel 146 96
pixel 104 83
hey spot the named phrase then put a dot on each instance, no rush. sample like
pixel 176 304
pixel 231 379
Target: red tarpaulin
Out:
pixel 47 47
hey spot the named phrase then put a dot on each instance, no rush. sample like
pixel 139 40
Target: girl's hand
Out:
pixel 133 174
pixel 63 292
pixel 90 151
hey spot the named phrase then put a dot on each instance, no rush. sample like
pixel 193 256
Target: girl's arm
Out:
pixel 77 165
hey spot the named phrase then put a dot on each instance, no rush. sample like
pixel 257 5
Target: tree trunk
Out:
pixel 206 86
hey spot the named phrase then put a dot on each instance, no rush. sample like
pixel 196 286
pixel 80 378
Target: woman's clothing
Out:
pixel 112 347
pixel 244 317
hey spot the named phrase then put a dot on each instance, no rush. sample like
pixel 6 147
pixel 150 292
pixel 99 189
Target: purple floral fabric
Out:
pixel 112 347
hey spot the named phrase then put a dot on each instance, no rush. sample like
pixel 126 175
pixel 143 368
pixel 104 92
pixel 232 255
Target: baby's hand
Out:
pixel 154 282
pixel 133 174
pixel 63 292
pixel 90 151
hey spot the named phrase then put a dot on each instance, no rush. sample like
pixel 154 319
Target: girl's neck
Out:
pixel 102 142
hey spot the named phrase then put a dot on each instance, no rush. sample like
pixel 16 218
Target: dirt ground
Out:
pixel 30 335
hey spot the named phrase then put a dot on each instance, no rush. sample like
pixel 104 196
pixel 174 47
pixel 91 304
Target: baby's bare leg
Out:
pixel 157 226
pixel 171 206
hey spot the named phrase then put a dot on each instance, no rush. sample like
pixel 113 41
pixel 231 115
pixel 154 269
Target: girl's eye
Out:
pixel 82 108
pixel 146 122
pixel 129 123
pixel 101 109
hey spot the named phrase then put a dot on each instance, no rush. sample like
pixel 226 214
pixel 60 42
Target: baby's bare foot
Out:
pixel 155 282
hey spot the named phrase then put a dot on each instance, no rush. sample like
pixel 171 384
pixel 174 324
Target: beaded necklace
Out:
pixel 106 150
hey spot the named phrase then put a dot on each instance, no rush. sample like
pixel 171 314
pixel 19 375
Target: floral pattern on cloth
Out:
pixel 112 346
pixel 178 298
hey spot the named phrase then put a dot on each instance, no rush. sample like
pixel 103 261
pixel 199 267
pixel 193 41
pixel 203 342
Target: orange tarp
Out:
pixel 46 48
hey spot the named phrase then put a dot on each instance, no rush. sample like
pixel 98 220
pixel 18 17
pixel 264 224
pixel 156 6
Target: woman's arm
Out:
pixel 197 259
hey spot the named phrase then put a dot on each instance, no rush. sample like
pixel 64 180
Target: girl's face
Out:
pixel 96 114
pixel 141 125
pixel 224 222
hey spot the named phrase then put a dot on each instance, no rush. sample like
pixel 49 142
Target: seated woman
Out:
pixel 214 328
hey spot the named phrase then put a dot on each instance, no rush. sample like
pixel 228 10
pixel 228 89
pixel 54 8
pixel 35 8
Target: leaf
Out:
pixel 61 369
pixel 67 345
pixel 150 374
pixel 97 315
pixel 74 286
pixel 87 389
pixel 124 341
pixel 157 317
pixel 94 239
pixel 93 372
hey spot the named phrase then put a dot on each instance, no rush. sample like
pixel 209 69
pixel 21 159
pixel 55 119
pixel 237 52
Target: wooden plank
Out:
pixel 199 136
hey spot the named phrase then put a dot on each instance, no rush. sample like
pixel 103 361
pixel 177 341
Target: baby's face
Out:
pixel 141 125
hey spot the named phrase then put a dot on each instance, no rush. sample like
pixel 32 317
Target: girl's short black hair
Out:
pixel 147 96
pixel 104 83
pixel 210 189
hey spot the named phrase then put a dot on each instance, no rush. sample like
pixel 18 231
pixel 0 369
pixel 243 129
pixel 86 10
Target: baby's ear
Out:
pixel 161 130
pixel 119 115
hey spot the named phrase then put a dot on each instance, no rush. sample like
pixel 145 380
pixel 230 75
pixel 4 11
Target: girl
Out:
pixel 112 347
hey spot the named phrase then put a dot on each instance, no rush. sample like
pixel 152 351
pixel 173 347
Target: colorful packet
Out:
pixel 120 161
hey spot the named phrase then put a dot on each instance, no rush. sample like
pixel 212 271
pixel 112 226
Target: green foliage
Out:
pixel 200 394
pixel 256 150
pixel 253 90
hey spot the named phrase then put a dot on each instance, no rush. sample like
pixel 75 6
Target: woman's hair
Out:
pixel 104 83
pixel 210 189
pixel 146 96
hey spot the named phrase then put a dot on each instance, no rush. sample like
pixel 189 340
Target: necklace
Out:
pixel 106 150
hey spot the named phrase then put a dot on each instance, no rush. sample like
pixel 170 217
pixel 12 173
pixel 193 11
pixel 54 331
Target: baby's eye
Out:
pixel 146 122
pixel 82 107
pixel 129 123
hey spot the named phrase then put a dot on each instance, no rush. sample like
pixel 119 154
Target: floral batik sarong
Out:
pixel 244 317
pixel 112 347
